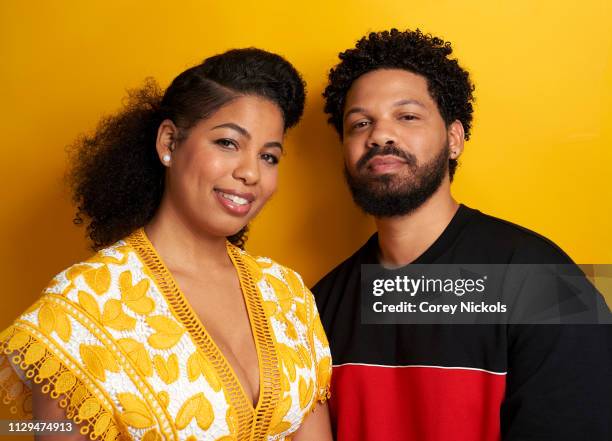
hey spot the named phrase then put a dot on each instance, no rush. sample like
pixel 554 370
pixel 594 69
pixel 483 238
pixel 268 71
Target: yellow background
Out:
pixel 540 153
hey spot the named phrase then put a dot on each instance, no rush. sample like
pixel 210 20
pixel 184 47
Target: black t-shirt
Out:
pixel 464 382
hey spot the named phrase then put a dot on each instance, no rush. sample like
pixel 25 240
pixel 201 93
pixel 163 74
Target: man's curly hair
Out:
pixel 423 54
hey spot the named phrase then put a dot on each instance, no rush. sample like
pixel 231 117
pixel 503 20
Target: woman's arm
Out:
pixel 316 426
pixel 46 409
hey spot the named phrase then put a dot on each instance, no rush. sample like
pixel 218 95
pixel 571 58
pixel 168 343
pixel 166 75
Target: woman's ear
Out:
pixel 166 141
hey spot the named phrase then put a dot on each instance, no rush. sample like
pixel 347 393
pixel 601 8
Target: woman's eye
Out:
pixel 270 158
pixel 227 143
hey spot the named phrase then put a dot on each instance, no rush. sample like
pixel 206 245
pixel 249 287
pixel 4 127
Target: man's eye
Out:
pixel 408 117
pixel 270 159
pixel 360 124
pixel 227 143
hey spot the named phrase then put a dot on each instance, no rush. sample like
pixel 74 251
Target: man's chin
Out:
pixel 391 197
pixel 388 186
pixel 403 177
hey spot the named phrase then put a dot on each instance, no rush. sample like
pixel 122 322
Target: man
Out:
pixel 403 109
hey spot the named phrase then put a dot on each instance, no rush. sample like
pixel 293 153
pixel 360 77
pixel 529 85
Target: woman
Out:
pixel 172 331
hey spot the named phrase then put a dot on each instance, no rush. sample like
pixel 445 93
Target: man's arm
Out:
pixel 559 384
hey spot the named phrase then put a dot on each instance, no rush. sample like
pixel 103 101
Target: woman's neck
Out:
pixel 182 245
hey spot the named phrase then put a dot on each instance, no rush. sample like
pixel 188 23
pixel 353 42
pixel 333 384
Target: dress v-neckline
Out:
pixel 251 421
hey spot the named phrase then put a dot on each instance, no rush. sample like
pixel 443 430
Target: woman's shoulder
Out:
pixel 99 289
pixel 66 340
pixel 96 273
pixel 272 272
pixel 281 287
pixel 288 300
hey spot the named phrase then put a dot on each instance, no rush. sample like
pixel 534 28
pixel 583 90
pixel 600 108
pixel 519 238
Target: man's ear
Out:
pixel 166 141
pixel 456 138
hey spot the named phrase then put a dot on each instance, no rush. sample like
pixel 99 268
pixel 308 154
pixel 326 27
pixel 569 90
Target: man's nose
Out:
pixel 382 134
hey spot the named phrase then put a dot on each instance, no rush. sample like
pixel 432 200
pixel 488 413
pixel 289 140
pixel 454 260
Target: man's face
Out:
pixel 396 146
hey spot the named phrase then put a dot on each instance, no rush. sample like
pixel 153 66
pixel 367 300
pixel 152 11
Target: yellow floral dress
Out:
pixel 115 342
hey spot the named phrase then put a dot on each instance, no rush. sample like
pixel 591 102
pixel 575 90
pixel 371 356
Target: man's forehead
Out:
pixel 388 87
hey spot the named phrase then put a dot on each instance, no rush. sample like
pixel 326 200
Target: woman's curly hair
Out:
pixel 449 85
pixel 116 176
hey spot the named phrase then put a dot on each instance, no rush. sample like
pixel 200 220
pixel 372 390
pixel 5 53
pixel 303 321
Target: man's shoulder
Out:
pixel 482 239
pixel 343 271
pixel 503 241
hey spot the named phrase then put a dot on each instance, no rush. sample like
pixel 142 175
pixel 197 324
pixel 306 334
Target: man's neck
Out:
pixel 402 239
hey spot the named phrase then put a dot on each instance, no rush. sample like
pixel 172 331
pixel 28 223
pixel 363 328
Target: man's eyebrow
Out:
pixel 395 104
pixel 404 102
pixel 244 132
pixel 354 110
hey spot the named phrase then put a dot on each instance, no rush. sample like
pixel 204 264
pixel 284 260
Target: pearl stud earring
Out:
pixel 166 158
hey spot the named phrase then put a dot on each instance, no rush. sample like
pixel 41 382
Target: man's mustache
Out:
pixel 387 150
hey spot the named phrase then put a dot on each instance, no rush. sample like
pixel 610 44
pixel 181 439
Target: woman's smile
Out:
pixel 236 203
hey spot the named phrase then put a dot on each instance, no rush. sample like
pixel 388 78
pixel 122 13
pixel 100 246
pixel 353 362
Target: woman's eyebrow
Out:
pixel 275 144
pixel 244 132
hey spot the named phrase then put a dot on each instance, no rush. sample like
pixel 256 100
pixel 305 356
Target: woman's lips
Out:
pixel 235 203
pixel 385 164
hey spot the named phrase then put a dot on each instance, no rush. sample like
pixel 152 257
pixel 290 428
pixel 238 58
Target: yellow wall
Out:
pixel 539 156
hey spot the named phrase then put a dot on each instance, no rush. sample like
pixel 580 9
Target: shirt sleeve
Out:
pixel 38 347
pixel 320 348
pixel 559 384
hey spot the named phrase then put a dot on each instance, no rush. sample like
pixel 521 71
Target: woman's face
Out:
pixel 224 171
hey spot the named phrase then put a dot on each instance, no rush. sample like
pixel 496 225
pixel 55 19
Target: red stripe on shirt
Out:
pixel 379 403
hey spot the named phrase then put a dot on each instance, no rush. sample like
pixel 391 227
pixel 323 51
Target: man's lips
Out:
pixel 385 164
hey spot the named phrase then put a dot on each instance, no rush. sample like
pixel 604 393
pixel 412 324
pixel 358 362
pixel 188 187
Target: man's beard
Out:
pixel 389 195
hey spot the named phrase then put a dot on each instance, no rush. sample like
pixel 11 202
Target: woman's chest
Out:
pixel 242 361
